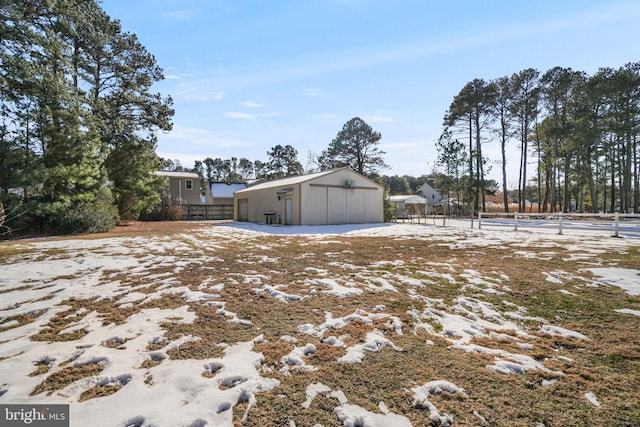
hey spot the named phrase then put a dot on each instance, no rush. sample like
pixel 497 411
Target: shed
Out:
pixel 409 205
pixel 335 196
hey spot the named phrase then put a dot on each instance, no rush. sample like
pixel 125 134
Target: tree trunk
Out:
pixel 480 190
pixel 523 164
pixel 471 183
pixel 503 144
pixel 636 177
pixel 567 189
pixel 627 174
pixel 613 179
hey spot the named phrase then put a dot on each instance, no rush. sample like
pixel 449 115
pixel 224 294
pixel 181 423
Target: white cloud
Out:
pixel 251 104
pixel 189 144
pixel 239 115
pixel 178 76
pixel 314 92
pixel 196 90
pixel 185 138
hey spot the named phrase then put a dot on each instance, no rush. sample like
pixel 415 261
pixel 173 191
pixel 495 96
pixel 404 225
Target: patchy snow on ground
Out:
pixel 625 278
pixel 198 392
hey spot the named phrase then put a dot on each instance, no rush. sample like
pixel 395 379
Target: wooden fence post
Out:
pixel 560 224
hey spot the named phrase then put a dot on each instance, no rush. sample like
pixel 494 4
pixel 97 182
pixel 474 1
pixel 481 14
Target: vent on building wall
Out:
pixel 349 183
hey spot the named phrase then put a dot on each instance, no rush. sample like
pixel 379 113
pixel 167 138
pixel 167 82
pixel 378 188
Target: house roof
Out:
pixel 297 180
pixel 224 190
pixel 252 182
pixel 190 175
pixel 427 187
pixel 408 199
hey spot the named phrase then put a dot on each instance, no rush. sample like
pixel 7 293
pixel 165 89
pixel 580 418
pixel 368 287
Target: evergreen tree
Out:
pixel 471 112
pixel 356 146
pixel 524 108
pixel 502 112
pixel 77 117
pixel 283 161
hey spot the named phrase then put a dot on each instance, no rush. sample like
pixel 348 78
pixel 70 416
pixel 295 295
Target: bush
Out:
pixel 70 217
pixel 175 213
pixel 87 217
pixel 164 213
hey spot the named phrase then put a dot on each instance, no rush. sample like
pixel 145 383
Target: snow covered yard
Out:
pixel 378 325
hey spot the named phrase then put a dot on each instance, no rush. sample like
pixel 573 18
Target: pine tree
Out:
pixel 356 146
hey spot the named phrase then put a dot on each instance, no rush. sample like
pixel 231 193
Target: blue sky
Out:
pixel 248 75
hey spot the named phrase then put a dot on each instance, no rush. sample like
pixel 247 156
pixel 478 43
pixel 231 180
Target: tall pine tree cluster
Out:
pixel 578 137
pixel 78 118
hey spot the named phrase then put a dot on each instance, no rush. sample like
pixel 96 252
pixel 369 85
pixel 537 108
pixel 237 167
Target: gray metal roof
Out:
pixel 224 190
pixel 291 180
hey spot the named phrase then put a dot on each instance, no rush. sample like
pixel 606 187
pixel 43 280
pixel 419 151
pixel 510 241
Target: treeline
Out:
pixel 282 162
pixel 356 146
pixel 78 118
pixel 581 133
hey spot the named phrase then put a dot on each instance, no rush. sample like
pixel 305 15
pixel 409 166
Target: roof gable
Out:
pixel 297 179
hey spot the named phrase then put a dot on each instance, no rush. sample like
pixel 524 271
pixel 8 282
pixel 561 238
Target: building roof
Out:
pixel 190 175
pixel 224 190
pixel 427 185
pixel 296 180
pixel 408 199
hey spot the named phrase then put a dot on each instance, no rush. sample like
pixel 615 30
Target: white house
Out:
pixel 336 196
pixel 431 195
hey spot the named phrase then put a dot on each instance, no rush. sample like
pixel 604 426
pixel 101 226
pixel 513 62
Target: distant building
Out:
pixel 222 193
pixel 407 206
pixel 221 203
pixel 183 187
pixel 432 197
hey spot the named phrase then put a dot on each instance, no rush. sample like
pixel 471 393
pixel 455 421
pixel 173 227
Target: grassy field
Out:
pixel 409 289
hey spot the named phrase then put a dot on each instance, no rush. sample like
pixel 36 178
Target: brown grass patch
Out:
pixel 100 391
pixel 42 367
pixel 20 319
pixel 61 379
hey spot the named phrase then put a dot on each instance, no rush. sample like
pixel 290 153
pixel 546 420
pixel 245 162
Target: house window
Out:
pixel 188 184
